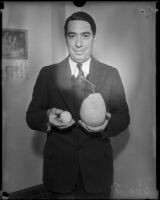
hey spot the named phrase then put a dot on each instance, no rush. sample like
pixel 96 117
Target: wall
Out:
pixel 125 39
pixel 22 147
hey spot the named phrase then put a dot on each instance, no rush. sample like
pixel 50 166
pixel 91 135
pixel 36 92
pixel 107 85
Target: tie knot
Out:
pixel 79 65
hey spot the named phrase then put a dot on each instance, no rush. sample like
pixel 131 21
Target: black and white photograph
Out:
pixel 79 100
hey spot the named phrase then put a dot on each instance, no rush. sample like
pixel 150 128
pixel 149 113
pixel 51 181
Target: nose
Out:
pixel 78 41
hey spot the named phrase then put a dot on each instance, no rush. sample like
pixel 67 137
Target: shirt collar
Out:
pixel 74 69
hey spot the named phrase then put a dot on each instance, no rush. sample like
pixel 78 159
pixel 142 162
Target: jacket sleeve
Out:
pixel 36 115
pixel 118 107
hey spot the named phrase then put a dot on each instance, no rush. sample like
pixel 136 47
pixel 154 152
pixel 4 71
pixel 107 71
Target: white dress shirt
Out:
pixel 75 70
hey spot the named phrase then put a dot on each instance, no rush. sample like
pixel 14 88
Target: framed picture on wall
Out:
pixel 14 44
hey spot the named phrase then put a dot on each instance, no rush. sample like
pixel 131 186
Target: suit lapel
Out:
pixel 65 84
pixel 95 74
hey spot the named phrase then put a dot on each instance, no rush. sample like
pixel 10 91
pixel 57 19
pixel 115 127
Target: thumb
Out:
pixel 108 115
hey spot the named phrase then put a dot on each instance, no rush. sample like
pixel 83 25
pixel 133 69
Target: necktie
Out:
pixel 81 73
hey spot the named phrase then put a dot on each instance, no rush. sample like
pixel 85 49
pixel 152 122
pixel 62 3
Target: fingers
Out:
pixel 86 127
pixel 57 122
pixel 56 111
pixel 53 113
pixel 67 125
pixel 94 129
pixel 108 115
pixel 82 124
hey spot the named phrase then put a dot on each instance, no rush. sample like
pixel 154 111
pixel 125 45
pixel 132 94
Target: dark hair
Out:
pixel 80 16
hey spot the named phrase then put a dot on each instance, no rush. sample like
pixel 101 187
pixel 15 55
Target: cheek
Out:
pixel 89 47
pixel 69 45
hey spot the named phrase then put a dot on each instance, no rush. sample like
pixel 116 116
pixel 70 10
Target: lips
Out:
pixel 78 52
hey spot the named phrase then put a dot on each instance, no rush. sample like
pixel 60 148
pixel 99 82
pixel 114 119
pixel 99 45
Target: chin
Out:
pixel 79 59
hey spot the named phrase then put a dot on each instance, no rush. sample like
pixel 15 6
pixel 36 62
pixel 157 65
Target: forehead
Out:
pixel 79 26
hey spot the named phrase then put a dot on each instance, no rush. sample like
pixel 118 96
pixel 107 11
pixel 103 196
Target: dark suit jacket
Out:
pixel 67 150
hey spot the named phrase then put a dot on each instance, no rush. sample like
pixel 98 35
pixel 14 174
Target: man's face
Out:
pixel 79 40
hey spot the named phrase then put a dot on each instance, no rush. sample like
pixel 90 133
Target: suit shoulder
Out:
pixel 105 66
pixel 52 67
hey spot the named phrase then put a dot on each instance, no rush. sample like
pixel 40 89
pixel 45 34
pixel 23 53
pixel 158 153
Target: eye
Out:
pixel 86 35
pixel 71 36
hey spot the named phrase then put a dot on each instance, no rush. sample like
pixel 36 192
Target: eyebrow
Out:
pixel 86 32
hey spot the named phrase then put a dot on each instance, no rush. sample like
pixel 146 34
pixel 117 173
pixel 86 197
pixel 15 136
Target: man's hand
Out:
pixel 55 120
pixel 100 128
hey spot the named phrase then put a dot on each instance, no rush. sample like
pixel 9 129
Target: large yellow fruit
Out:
pixel 93 110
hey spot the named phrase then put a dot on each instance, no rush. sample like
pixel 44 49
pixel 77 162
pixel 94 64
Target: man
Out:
pixel 78 161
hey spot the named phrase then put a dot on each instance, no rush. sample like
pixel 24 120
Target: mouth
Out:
pixel 78 52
